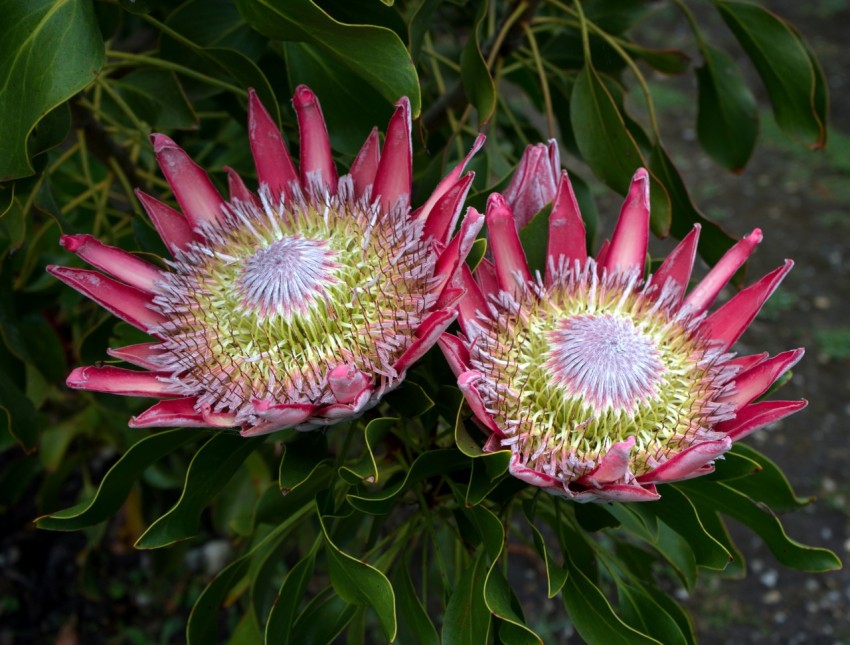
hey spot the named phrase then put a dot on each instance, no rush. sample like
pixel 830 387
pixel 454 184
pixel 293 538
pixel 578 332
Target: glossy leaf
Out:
pixel 367 468
pixel 477 81
pixel 413 617
pixel 782 60
pixel 609 147
pixel 375 54
pixel 323 619
pixel 769 485
pixel 487 472
pixel 677 512
pixel 18 415
pixel 761 520
pixel 409 399
pixel 534 238
pixel 642 611
pixel 556 575
pixel 426 465
pixel 301 458
pixel 361 584
pixel 727 116
pixel 467 619
pixel 713 241
pixel 502 602
pixel 210 470
pixel 118 481
pixel 289 596
pixel 592 614
pixel 52 49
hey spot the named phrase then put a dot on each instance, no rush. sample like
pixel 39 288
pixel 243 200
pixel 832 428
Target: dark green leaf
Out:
pixel 727 117
pixel 409 400
pixel 769 485
pixel 556 575
pixel 476 253
pixel 677 512
pixel 322 620
pixel 732 466
pixel 668 61
pixel 487 472
pixel 642 612
pixel 713 241
pixel 367 468
pixel 116 484
pixel 415 623
pixel 500 600
pixel 17 414
pixel 210 470
pixel 375 54
pixel 51 49
pixel 592 615
pixel 301 457
pixel 534 238
pixel 608 146
pixel 761 519
pixel 282 616
pixel 157 98
pixel 467 618
pixel 426 465
pixel 361 584
pixel 784 64
pixel 477 82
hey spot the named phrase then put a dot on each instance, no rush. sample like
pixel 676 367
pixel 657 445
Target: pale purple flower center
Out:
pixel 605 360
pixel 286 276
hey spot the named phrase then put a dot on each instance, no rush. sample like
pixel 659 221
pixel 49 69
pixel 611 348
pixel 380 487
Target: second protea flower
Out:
pixel 601 381
pixel 296 306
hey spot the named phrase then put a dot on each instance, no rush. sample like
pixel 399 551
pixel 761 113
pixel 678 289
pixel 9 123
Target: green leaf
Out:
pixel 732 466
pixel 210 470
pixel 727 116
pixel 487 472
pixel 292 590
pixel 676 511
pixel 375 54
pixel 18 415
pixel 426 465
pixel 592 615
pixel 157 98
pixel 467 618
pixel 476 253
pixel 784 64
pixel 502 602
pixel 607 145
pixel 409 400
pixel 667 61
pixel 642 612
pixel 415 623
pixel 361 584
pixel 51 49
pixel 477 82
pixel 534 238
pixel 322 620
pixel 769 485
pixel 300 460
pixel 118 481
pixel 761 519
pixel 556 575
pixel 713 241
pixel 367 468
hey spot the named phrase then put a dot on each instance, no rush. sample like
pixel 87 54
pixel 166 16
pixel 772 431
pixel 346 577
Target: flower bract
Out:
pixel 298 305
pixel 601 380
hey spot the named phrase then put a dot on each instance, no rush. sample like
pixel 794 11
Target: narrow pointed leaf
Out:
pixel 118 481
pixel 210 470
pixel 727 117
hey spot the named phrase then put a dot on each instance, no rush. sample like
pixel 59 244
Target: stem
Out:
pixel 544 83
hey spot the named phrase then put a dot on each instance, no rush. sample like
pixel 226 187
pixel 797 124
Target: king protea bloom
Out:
pixel 603 381
pixel 296 306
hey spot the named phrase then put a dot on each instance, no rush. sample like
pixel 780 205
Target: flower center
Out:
pixel 286 276
pixel 606 360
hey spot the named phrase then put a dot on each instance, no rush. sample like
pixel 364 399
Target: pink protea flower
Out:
pixel 600 381
pixel 297 306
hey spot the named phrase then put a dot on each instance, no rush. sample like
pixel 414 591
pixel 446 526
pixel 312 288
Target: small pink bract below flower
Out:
pixel 602 382
pixel 296 306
